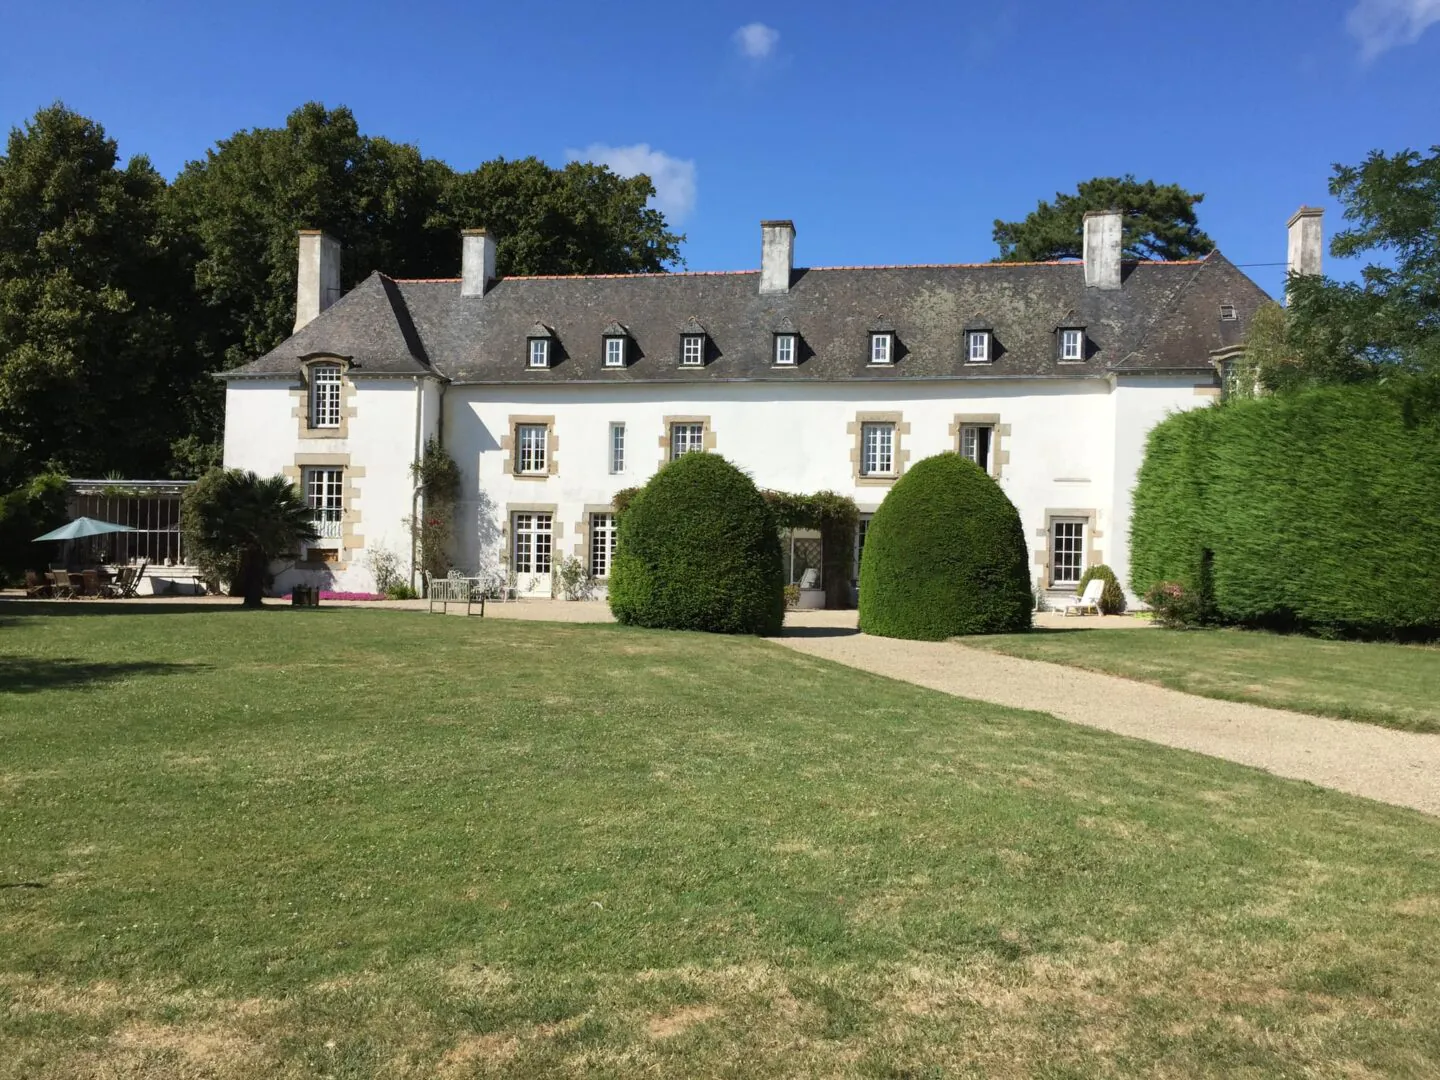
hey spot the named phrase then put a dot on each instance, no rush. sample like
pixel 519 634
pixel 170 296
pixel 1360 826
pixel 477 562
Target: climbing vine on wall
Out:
pixel 434 529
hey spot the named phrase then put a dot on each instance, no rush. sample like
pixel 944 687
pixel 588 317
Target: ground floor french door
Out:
pixel 531 548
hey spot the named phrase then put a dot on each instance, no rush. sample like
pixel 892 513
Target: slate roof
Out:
pixel 1165 317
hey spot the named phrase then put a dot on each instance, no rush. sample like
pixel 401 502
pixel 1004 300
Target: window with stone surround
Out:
pixel 877 449
pixel 602 544
pixel 686 438
pixel 325 395
pixel 531 539
pixel 976 441
pixel 531 449
pixel 324 491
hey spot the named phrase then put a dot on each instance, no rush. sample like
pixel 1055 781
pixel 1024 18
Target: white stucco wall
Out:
pixel 1073 445
pixel 380 444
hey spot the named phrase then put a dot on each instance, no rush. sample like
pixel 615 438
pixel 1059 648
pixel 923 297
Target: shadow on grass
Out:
pixel 28 675
pixel 12 611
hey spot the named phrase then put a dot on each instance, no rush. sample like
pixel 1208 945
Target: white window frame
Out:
pixel 977 346
pixel 862 526
pixel 970 442
pixel 686 437
pixel 877 448
pixel 1074 529
pixel 602 544
pixel 617 448
pixel 785 349
pixel 325 384
pixel 532 449
pixel 882 347
pixel 614 351
pixel 539 352
pixel 532 542
pixel 325 494
pixel 1069 337
pixel 692 350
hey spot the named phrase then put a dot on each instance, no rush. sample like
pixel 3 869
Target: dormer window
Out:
pixel 882 347
pixel 538 346
pixel 692 350
pixel 1072 344
pixel 785 350
pixel 614 348
pixel 977 346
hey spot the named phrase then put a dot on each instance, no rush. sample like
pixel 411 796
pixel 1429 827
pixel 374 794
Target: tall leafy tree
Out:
pixel 1387 323
pixel 582 219
pixel 243 202
pixel 394 210
pixel 1159 222
pixel 90 368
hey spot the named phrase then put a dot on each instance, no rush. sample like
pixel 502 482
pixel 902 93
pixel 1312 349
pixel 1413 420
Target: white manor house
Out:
pixel 554 393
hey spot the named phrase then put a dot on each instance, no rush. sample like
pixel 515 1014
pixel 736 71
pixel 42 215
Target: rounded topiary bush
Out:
pixel 945 555
pixel 1112 597
pixel 699 549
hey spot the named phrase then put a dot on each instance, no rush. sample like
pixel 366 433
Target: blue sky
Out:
pixel 889 133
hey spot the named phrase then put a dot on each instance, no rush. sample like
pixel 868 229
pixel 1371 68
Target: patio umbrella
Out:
pixel 82 527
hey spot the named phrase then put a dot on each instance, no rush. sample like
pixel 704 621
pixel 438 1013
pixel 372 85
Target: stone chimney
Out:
pixel 777 255
pixel 477 262
pixel 1307 240
pixel 318 284
pixel 1104 240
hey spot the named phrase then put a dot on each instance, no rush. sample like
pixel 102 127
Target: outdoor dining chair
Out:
pixel 36 585
pixel 60 584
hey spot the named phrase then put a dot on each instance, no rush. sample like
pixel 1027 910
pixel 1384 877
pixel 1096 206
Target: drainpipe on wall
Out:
pixel 415 489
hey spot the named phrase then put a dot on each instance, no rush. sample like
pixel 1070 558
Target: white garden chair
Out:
pixel 1089 600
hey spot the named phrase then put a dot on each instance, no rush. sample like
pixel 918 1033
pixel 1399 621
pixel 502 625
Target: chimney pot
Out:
pixel 1307 240
pixel 1104 240
pixel 317 285
pixel 777 255
pixel 477 262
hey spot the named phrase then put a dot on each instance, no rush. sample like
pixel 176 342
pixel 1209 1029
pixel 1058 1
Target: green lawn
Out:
pixel 366 843
pixel 1394 685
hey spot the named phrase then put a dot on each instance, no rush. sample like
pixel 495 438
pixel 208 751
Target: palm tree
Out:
pixel 236 523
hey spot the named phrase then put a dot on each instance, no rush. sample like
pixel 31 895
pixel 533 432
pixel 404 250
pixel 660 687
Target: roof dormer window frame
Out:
pixel 979 346
pixel 1071 344
pixel 614 345
pixel 614 351
pixel 787 348
pixel 692 350
pixel 539 348
pixel 881 347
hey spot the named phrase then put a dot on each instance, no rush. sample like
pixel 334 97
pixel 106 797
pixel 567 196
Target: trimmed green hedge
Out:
pixel 1317 510
pixel 945 555
pixel 1112 597
pixel 699 549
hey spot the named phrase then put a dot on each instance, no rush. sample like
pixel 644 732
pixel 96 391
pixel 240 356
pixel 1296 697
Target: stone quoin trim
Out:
pixel 707 437
pixel 999 455
pixel 301 397
pixel 856 428
pixel 350 515
pixel 581 548
pixel 510 447
pixel 1043 553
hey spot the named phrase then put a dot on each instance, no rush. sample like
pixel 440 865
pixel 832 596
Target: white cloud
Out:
pixel 673 178
pixel 1380 25
pixel 756 40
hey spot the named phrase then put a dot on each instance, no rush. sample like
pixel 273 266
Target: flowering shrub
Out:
pixel 1175 605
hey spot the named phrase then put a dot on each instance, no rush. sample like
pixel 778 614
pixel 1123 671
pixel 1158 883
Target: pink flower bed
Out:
pixel 324 595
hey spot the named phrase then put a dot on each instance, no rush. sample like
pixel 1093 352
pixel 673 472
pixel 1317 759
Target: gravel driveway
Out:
pixel 1397 767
